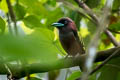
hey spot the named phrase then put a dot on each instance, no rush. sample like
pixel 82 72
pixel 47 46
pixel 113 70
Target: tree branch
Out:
pixel 19 71
pixel 83 13
pixel 111 37
pixel 87 10
pixel 95 18
pixel 12 15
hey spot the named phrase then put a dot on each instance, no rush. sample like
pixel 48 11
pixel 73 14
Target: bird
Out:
pixel 68 36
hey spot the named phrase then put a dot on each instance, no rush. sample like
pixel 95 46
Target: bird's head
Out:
pixel 65 23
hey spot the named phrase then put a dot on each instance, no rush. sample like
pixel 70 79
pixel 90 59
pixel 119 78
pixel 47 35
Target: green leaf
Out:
pixel 110 70
pixel 34 7
pixel 92 3
pixel 109 73
pixel 118 77
pixel 53 17
pixel 51 2
pixel 76 17
pixel 3 6
pixel 115 26
pixel 87 40
pixel 39 46
pixel 74 75
pixel 91 27
pixel 34 78
pixel 32 21
pixel 72 1
pixel 20 11
pixel 116 4
pixel 2 25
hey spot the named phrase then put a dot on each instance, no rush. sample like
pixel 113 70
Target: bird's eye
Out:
pixel 65 22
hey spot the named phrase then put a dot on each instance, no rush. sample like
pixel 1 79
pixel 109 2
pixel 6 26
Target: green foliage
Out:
pixel 116 4
pixel 51 2
pixel 91 27
pixel 3 6
pixel 74 75
pixel 34 7
pixel 20 11
pixel 91 2
pixel 110 71
pixel 34 78
pixel 53 17
pixel 40 43
pixel 115 26
pixel 75 17
pixel 37 44
pixel 32 21
pixel 2 25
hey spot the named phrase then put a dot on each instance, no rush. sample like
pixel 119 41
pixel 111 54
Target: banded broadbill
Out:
pixel 68 37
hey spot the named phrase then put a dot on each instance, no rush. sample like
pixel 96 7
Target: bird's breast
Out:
pixel 69 43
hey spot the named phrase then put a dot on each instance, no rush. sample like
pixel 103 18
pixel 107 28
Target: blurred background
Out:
pixel 26 33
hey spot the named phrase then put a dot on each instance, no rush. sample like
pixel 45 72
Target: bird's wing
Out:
pixel 79 41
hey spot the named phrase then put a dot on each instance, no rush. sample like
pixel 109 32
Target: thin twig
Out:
pixel 81 12
pixel 94 17
pixel 87 10
pixel 111 37
pixel 12 15
pixel 91 51
pixel 9 25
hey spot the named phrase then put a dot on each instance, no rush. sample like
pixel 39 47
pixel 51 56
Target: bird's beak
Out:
pixel 57 24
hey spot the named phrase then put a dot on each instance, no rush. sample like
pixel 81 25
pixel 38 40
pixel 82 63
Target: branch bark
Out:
pixel 87 10
pixel 19 71
pixel 12 15
pixel 111 37
pixel 96 19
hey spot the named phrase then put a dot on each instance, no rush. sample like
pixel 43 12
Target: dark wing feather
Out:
pixel 79 41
